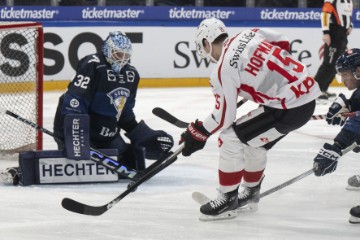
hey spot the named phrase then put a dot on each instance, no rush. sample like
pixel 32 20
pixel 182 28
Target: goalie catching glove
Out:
pixel 335 114
pixel 194 138
pixel 156 142
pixel 326 160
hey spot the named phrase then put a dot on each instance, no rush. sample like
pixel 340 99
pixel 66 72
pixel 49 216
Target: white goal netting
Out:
pixel 21 59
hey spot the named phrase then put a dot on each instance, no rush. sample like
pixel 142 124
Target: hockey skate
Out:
pixel 223 207
pixel 10 176
pixel 355 215
pixel 354 183
pixel 249 197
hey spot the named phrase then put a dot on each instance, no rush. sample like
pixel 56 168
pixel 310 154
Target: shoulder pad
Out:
pixel 93 58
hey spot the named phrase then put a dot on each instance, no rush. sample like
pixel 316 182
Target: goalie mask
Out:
pixel 117 50
pixel 349 61
pixel 209 29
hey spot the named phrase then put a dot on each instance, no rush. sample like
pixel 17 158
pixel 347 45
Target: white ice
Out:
pixel 162 208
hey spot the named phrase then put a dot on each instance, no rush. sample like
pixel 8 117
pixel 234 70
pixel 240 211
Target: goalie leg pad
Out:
pixel 49 167
pixel 77 137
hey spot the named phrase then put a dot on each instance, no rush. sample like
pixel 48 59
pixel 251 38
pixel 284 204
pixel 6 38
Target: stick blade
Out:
pixel 80 208
pixel 161 113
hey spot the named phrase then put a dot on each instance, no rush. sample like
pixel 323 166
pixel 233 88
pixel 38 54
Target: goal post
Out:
pixel 21 85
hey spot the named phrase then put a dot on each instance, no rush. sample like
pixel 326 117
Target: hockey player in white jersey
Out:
pixel 255 65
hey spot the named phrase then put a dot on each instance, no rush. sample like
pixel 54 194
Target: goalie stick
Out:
pixel 81 208
pixel 95 155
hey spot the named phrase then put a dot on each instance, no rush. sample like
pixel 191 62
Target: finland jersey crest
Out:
pixel 118 98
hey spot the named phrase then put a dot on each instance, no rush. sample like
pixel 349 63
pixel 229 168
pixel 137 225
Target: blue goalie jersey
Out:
pixel 107 99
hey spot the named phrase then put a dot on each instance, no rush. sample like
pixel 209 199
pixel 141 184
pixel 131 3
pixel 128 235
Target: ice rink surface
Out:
pixel 162 208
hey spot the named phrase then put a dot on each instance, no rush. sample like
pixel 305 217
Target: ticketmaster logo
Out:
pixel 11 13
pixel 93 13
pixel 357 15
pixel 275 14
pixel 194 13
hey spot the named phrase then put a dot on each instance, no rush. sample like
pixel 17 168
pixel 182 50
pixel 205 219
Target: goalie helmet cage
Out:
pixel 21 85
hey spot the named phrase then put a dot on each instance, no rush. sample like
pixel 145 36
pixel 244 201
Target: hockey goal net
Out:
pixel 21 85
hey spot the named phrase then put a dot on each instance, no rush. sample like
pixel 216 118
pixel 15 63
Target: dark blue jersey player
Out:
pixel 344 112
pixel 104 88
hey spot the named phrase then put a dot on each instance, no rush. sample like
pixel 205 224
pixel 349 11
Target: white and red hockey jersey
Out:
pixel 257 66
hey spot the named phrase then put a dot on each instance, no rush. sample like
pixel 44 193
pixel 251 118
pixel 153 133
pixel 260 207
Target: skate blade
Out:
pixel 225 215
pixel 352 188
pixel 248 208
pixel 354 220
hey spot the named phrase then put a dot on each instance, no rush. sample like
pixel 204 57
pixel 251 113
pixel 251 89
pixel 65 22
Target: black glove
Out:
pixel 338 107
pixel 194 138
pixel 156 142
pixel 356 149
pixel 326 160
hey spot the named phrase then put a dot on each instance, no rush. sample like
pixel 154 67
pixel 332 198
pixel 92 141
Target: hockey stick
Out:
pixel 95 155
pixel 203 199
pixel 287 183
pixel 301 176
pixel 318 117
pixel 81 208
pixel 165 115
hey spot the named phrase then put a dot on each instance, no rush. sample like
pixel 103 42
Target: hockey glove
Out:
pixel 156 142
pixel 194 138
pixel 356 149
pixel 334 115
pixel 326 160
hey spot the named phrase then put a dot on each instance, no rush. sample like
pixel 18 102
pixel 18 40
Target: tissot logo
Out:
pixel 56 56
pixel 14 61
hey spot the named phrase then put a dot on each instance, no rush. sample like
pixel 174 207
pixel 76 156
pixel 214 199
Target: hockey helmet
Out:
pixel 349 61
pixel 117 50
pixel 209 29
